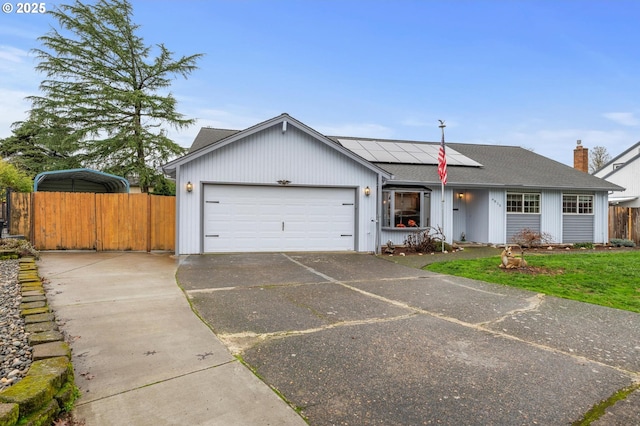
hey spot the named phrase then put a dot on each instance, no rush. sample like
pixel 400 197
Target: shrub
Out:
pixel 582 245
pixel 423 241
pixel 618 242
pixel 529 238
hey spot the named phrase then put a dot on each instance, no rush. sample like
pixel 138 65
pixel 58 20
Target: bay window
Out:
pixel 405 208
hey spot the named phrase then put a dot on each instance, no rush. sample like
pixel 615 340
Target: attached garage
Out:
pixel 278 218
pixel 276 186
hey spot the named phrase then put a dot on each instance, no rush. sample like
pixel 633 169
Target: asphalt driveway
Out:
pixel 351 339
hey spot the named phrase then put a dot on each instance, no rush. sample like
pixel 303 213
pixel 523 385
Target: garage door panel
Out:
pixel 255 218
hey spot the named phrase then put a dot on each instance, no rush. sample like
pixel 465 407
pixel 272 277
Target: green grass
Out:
pixel 609 279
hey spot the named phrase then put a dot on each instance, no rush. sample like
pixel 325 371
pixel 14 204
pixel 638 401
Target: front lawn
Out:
pixel 609 278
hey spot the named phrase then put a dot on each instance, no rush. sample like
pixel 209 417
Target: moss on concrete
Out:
pixel 9 414
pixel 34 319
pixel 39 327
pixel 67 396
pixel 59 368
pixel 42 417
pixel 30 289
pixel 39 298
pixel 45 337
pixel 39 292
pixel 34 311
pixel 48 388
pixel 30 393
pixel 31 305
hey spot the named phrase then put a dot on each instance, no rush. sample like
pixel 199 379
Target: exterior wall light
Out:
pixel 367 191
pixel 460 195
pixel 189 186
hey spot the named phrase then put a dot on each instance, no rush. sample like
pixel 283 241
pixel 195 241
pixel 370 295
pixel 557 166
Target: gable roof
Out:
pixel 615 160
pixel 493 165
pixel 207 135
pixel 502 166
pixel 209 140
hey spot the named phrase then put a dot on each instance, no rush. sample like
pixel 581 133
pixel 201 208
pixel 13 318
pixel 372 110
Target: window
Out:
pixel 577 204
pixel 405 209
pixel 523 203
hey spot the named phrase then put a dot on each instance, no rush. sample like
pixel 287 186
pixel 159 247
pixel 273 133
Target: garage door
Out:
pixel 264 218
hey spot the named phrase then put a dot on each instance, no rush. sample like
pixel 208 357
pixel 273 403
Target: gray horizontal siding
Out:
pixel 517 222
pixel 577 228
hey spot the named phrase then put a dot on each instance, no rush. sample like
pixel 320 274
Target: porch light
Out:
pixel 367 191
pixel 460 195
pixel 189 186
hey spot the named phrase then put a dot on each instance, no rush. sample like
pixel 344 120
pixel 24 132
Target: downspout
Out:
pixel 176 247
pixel 378 227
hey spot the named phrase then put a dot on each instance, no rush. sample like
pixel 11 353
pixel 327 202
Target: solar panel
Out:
pixel 404 152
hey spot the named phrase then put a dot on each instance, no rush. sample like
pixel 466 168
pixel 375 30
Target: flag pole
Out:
pixel 442 171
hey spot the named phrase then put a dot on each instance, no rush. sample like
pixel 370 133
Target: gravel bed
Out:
pixel 15 352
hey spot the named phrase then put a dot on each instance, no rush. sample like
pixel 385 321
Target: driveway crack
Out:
pixel 534 304
pixel 239 342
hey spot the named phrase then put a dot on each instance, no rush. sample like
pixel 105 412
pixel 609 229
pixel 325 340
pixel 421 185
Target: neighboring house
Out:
pixel 134 185
pixel 282 186
pixel 624 170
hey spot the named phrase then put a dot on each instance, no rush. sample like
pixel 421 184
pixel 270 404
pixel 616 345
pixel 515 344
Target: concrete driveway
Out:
pixel 351 339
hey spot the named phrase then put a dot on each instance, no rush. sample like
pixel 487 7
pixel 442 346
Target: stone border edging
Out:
pixel 48 388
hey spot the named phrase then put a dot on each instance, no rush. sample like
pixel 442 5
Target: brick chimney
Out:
pixel 581 158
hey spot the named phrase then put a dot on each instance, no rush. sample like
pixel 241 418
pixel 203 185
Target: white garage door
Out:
pixel 264 218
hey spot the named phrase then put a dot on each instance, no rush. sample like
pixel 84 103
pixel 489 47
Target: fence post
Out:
pixel 149 227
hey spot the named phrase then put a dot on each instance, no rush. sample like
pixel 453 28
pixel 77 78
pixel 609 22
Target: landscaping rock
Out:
pixel 32 319
pixel 40 327
pixel 51 350
pixel 32 305
pixel 15 353
pixel 45 337
pixel 34 311
pixel 38 298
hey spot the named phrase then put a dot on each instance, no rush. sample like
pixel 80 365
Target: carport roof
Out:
pixel 111 183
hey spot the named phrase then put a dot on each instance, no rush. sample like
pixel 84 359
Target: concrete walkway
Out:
pixel 141 356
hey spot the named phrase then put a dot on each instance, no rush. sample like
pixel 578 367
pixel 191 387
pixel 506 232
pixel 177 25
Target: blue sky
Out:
pixel 538 74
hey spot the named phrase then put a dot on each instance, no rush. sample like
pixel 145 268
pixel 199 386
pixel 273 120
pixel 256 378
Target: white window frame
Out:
pixel 388 205
pixel 524 201
pixel 578 204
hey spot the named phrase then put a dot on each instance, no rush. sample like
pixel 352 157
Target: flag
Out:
pixel 442 163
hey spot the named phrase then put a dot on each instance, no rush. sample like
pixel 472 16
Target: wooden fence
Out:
pixel 624 223
pixel 87 221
